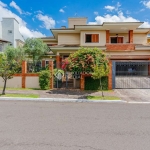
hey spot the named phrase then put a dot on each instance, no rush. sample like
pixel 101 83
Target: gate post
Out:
pixel 110 76
pixel 82 82
pixel 51 71
pixel 24 71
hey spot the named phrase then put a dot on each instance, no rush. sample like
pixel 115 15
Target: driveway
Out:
pixel 134 95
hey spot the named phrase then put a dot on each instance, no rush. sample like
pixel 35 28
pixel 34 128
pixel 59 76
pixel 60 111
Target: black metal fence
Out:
pixel 131 74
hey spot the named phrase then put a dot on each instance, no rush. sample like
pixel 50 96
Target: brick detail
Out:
pixel 24 71
pixel 24 67
pixel 110 76
pixel 82 82
pixel 43 63
pixel 51 70
pixel 107 36
pixel 129 57
pixel 120 47
pixel 130 36
pixel 23 82
pixel 58 61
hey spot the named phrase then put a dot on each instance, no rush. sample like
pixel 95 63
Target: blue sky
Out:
pixel 36 17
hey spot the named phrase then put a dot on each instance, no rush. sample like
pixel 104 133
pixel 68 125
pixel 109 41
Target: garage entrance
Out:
pixel 131 75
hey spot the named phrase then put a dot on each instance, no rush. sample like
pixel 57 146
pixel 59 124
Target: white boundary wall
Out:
pixel 32 82
pixel 15 82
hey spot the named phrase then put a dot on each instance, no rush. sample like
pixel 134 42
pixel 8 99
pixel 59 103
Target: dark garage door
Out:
pixel 131 75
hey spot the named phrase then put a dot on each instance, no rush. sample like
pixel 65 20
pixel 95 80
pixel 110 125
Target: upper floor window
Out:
pixel 116 39
pixel 9 31
pixel 92 38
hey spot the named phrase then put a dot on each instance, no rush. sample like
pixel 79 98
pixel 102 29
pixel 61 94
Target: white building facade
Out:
pixel 10 34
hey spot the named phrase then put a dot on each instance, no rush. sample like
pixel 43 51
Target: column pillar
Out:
pixel 130 36
pixel 82 80
pixel 51 71
pixel 58 60
pixel 110 76
pixel 107 36
pixel 24 71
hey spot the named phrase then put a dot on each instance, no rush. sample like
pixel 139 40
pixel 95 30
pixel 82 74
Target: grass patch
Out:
pixel 103 98
pixel 21 95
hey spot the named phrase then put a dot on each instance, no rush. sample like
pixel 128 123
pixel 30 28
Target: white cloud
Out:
pixel 95 13
pixel 14 5
pixel 117 18
pixel 48 22
pixel 110 8
pixel 61 10
pixel 39 12
pixel 2 4
pixel 64 21
pixel 118 5
pixel 5 13
pixel 146 3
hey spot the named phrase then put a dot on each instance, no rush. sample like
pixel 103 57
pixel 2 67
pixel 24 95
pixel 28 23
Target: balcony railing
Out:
pixel 120 47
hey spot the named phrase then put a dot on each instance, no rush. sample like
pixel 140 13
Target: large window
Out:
pixel 92 38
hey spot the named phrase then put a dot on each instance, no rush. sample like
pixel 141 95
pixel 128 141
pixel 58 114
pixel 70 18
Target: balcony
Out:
pixel 120 47
pixel 142 47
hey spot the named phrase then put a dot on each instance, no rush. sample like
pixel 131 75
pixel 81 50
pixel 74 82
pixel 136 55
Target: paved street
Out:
pixel 30 125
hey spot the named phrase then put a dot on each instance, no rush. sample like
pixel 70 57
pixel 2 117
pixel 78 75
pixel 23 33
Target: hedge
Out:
pixel 91 84
pixel 44 79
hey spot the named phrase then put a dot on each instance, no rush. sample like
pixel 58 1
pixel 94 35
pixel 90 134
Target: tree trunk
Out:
pixel 100 82
pixel 33 70
pixel 3 93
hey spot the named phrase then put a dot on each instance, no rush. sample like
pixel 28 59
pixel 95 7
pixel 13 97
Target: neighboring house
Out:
pixel 124 43
pixel 9 33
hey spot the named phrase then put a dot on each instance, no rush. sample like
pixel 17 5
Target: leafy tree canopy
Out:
pixel 85 59
pixel 35 48
pixel 10 63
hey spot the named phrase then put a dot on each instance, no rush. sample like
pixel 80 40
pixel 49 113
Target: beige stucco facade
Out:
pixel 73 38
pixel 102 38
pixel 139 38
pixel 68 40
pixel 76 21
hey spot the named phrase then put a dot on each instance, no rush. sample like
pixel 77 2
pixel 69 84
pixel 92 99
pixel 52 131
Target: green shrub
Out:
pixel 91 84
pixel 44 79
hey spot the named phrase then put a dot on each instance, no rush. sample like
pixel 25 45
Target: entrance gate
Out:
pixel 131 75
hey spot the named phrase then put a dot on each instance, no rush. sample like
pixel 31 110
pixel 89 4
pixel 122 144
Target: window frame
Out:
pixel 98 37
pixel 117 41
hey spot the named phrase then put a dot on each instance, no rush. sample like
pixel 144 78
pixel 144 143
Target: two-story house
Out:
pixel 124 43
pixel 10 34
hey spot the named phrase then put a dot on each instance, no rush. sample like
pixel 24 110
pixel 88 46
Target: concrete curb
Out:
pixel 139 102
pixel 59 100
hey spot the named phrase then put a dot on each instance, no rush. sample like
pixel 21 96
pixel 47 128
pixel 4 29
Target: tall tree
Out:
pixel 99 71
pixel 35 48
pixel 91 60
pixel 10 63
